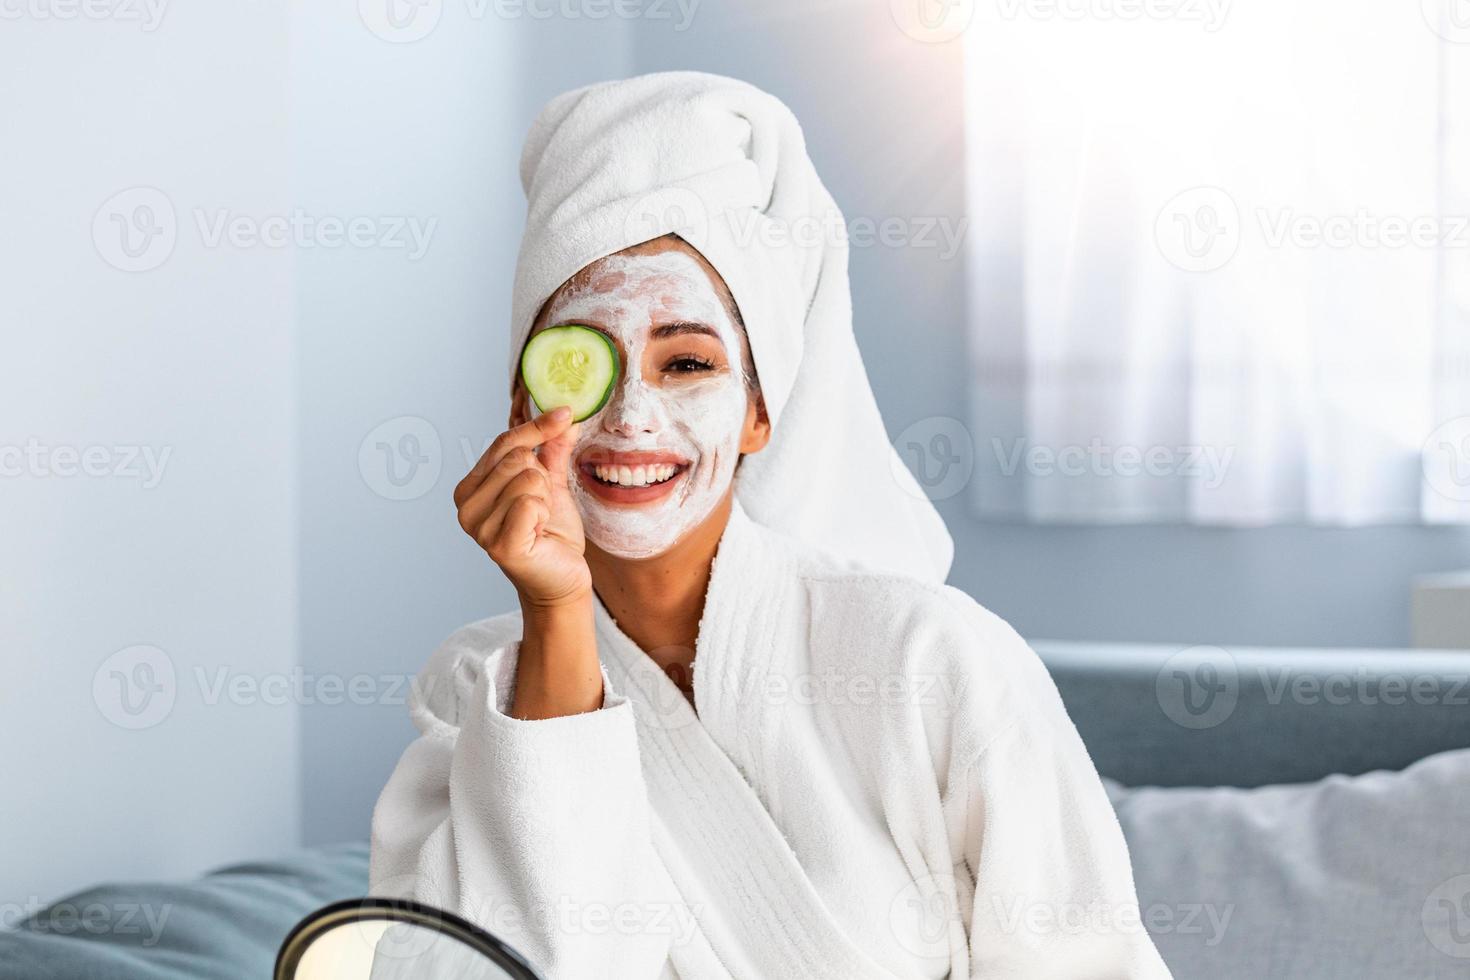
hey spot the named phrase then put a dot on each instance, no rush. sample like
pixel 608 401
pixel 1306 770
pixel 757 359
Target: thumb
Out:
pixel 556 454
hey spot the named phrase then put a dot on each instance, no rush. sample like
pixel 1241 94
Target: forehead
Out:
pixel 639 285
pixel 613 270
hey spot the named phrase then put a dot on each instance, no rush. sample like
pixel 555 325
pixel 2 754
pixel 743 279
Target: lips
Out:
pixel 630 477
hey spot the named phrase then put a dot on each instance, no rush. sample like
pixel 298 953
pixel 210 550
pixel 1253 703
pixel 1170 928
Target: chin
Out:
pixel 638 532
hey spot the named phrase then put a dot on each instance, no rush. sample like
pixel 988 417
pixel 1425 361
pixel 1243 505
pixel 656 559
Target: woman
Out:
pixel 739 727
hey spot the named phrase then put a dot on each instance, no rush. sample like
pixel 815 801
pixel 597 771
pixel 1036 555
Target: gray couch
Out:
pixel 1284 715
pixel 1290 814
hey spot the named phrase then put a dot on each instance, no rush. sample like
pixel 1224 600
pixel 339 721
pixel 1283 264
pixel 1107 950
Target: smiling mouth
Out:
pixel 632 478
pixel 646 475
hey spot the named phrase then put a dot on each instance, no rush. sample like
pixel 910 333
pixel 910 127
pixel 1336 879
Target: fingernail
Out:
pixel 561 412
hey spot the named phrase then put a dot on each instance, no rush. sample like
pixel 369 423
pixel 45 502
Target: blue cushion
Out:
pixel 1154 715
pixel 226 925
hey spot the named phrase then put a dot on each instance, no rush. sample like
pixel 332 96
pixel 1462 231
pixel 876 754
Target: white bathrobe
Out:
pixel 880 781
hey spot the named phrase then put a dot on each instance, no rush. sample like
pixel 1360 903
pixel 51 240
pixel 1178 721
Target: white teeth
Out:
pixel 635 476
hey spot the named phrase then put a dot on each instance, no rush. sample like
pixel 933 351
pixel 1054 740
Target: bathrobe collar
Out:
pixel 730 862
pixel 751 571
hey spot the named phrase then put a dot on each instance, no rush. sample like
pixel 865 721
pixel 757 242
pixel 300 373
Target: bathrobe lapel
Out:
pixel 733 867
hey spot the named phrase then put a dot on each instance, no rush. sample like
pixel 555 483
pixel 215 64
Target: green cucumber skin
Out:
pixel 617 363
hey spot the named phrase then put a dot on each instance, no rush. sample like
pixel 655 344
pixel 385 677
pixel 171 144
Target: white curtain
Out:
pixel 1217 261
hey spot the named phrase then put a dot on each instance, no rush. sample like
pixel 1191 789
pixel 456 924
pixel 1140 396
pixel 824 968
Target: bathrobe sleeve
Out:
pixel 1053 891
pixel 536 830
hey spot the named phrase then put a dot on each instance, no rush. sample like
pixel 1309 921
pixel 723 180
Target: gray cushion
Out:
pixel 1349 877
pixel 1155 715
pixel 228 924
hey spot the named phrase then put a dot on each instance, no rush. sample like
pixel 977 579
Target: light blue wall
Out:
pixel 195 559
pixel 392 346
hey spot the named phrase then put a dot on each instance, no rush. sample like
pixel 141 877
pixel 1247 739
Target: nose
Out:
pixel 633 409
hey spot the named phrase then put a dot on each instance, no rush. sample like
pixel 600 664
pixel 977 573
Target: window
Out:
pixel 1218 260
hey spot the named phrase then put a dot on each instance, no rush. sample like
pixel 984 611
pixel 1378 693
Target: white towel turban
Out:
pixel 724 165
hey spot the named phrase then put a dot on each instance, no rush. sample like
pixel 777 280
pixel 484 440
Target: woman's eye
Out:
pixel 687 364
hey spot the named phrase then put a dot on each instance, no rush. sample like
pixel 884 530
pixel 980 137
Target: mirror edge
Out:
pixel 397 910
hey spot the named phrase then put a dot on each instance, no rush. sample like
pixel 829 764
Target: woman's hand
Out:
pixel 518 506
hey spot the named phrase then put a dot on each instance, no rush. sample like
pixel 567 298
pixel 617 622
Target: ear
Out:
pixel 756 431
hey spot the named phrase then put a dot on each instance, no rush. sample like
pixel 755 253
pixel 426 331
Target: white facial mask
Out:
pixel 700 420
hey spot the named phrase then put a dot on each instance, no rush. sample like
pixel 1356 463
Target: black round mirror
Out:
pixel 395 939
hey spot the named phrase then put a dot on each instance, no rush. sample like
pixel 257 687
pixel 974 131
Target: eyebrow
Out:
pixel 681 327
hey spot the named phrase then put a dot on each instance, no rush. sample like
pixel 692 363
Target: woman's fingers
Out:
pixel 517 535
pixel 556 454
pixel 518 473
pixel 527 435
pixel 506 533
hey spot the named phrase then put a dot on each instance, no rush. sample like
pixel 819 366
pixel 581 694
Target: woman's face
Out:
pixel 658 457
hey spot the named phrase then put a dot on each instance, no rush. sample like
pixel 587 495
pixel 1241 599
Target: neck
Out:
pixel 658 601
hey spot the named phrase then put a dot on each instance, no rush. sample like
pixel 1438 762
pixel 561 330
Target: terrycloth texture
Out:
pixel 725 165
pixel 227 925
pixel 881 782
pixel 1351 876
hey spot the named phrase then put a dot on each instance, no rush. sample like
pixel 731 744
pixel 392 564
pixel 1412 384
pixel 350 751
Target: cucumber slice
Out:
pixel 570 365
